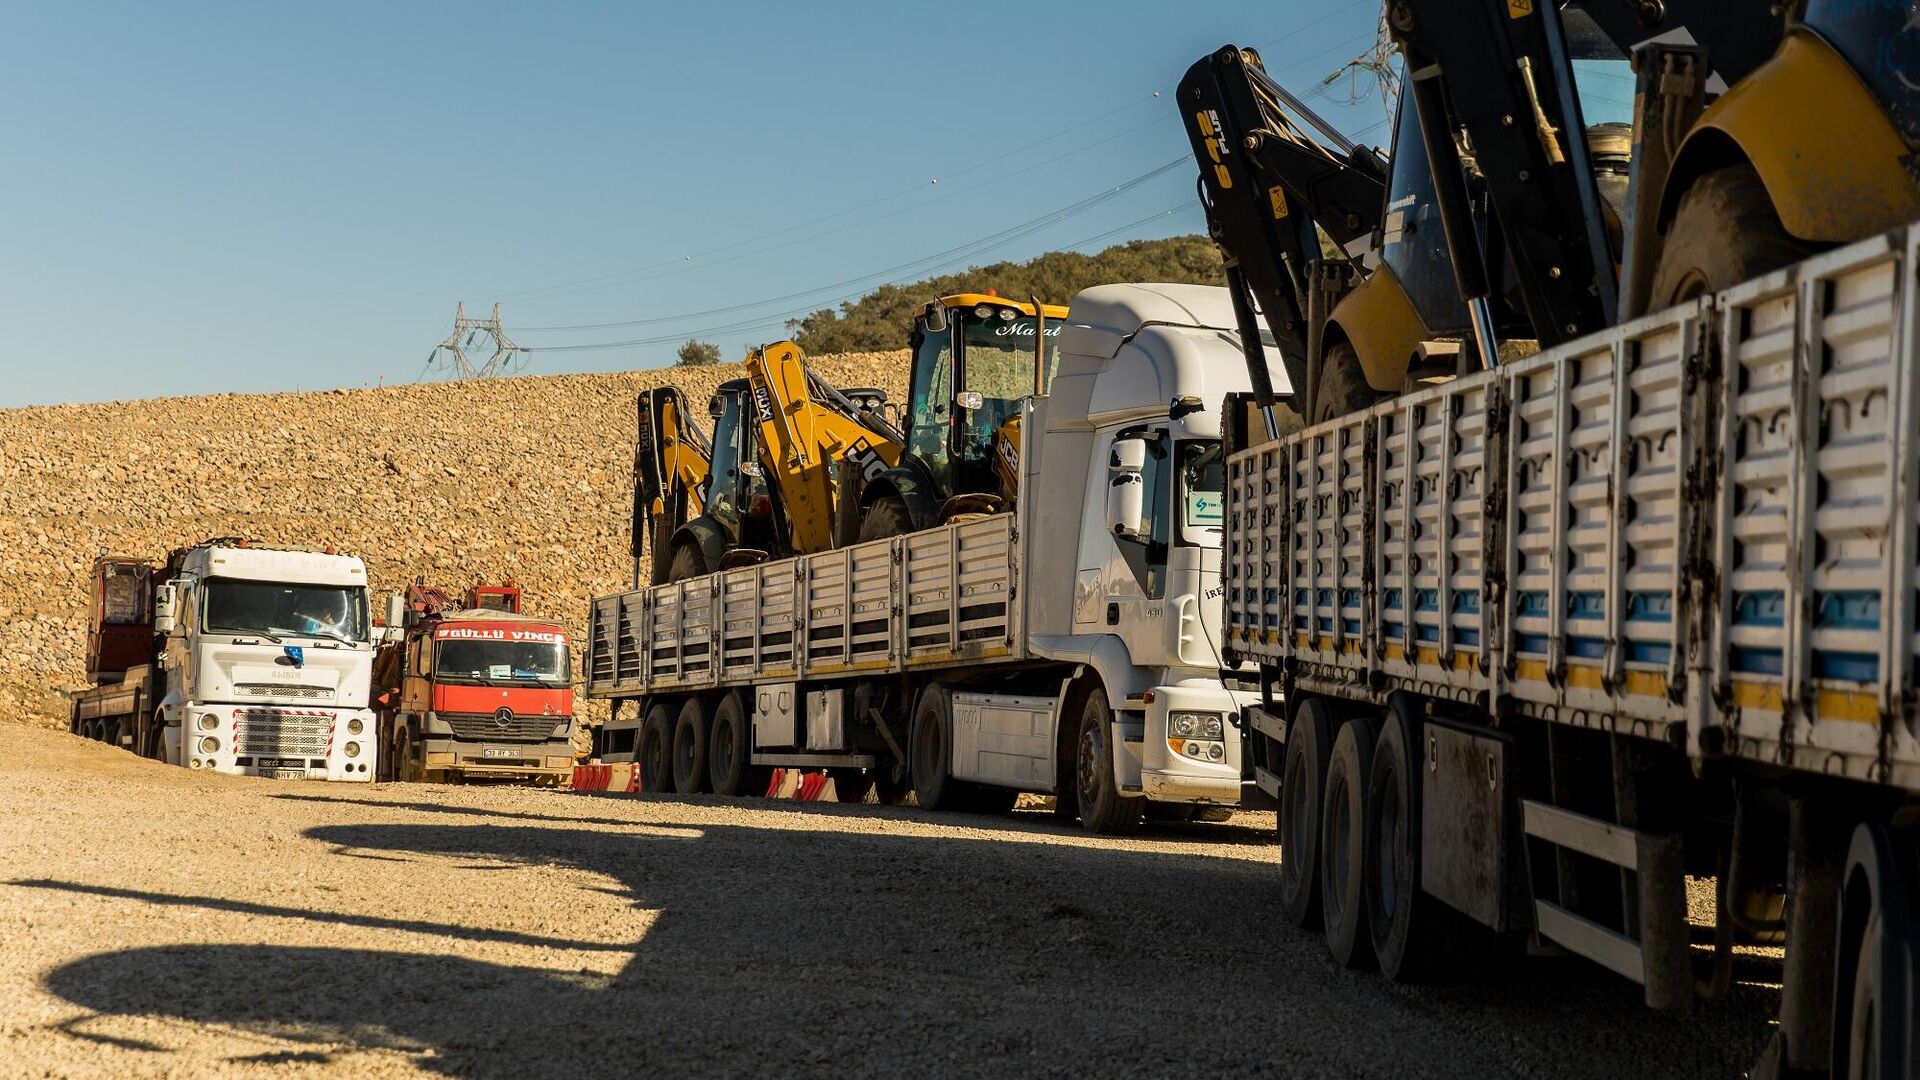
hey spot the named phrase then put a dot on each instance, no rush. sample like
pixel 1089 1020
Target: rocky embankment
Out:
pixel 526 478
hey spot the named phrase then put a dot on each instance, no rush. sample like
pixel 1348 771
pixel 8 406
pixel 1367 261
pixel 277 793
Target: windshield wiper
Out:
pixel 237 632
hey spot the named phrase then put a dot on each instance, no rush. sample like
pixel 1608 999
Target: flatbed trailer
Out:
pixel 1639 606
pixel 1067 647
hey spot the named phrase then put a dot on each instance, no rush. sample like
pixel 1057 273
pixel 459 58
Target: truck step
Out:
pixel 1658 958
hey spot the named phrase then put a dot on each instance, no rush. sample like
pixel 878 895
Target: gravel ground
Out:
pixel 156 922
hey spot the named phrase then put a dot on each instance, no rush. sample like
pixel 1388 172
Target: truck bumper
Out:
pixel 498 760
pixel 284 742
pixel 1179 769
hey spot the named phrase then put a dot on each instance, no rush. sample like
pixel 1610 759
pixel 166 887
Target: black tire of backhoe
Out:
pixel 687 563
pixel 1343 386
pixel 885 518
pixel 1725 230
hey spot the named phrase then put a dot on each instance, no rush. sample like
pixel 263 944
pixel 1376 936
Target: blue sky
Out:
pixel 249 197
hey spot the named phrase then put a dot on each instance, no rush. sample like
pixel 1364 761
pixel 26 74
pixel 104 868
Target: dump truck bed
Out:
pixel 1698 524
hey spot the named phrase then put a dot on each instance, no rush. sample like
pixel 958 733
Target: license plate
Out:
pixel 282 763
pixel 491 752
pixel 288 774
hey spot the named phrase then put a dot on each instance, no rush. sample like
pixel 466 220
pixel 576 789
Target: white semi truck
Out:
pixel 1542 642
pixel 235 658
pixel 1070 647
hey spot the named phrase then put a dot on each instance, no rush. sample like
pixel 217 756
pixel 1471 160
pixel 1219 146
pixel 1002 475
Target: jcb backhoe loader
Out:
pixel 782 473
pixel 975 357
pixel 1502 232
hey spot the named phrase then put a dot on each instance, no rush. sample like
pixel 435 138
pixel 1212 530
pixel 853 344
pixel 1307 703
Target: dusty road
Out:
pixel 155 922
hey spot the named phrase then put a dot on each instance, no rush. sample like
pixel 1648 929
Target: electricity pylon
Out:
pixel 507 357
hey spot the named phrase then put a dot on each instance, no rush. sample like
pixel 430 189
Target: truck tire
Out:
pixel 1343 386
pixel 730 748
pixel 934 788
pixel 889 789
pixel 886 517
pixel 1303 779
pixel 405 769
pixel 655 751
pixel 1415 937
pixel 1104 811
pixel 1343 842
pixel 1724 231
pixel 1878 952
pixel 690 747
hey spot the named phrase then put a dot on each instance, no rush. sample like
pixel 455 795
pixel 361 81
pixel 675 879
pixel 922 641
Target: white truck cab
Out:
pixel 266 663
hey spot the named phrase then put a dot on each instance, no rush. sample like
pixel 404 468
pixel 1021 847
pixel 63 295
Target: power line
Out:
pixel 681 264
pixel 781 318
pixel 630 278
pixel 973 247
pixel 530 294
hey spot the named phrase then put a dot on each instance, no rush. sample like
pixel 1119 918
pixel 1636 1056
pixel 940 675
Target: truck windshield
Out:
pixel 278 609
pixel 1203 479
pixel 540 662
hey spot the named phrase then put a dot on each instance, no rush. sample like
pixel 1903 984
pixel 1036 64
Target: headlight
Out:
pixel 353 749
pixel 1193 725
pixel 209 745
pixel 208 721
pixel 1215 752
pixel 355 726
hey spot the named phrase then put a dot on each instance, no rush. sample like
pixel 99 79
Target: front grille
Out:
pixel 485 726
pixel 282 732
pixel 297 693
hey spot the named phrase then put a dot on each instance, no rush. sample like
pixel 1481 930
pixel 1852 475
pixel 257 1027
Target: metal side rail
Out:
pixel 1659 960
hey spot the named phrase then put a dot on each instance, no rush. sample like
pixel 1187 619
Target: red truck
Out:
pixel 471 689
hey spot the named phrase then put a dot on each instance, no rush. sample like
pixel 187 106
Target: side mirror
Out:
pixel 716 407
pixel 936 320
pixel 397 612
pixel 163 601
pixel 1127 489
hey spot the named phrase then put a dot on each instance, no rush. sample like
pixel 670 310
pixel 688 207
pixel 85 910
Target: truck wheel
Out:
pixel 1878 954
pixel 1725 230
pixel 933 788
pixel 405 768
pixel 690 747
pixel 656 750
pixel 1303 779
pixel 1343 386
pixel 1415 938
pixel 886 517
pixel 850 785
pixel 1343 842
pixel 1104 811
pixel 687 563
pixel 729 748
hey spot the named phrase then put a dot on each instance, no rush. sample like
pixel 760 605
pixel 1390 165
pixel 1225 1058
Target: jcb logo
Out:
pixel 1209 124
pixel 867 460
pixel 762 404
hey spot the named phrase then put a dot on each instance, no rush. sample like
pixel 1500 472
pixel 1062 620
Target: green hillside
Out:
pixel 881 319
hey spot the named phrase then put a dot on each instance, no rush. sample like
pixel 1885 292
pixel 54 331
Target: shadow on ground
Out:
pixel 846 953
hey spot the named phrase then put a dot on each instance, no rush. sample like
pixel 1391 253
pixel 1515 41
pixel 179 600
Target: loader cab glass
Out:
pixel 1413 244
pixel 1881 42
pixel 735 493
pixel 972 367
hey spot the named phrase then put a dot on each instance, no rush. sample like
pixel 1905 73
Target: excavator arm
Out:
pixel 807 430
pixel 671 458
pixel 1271 190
